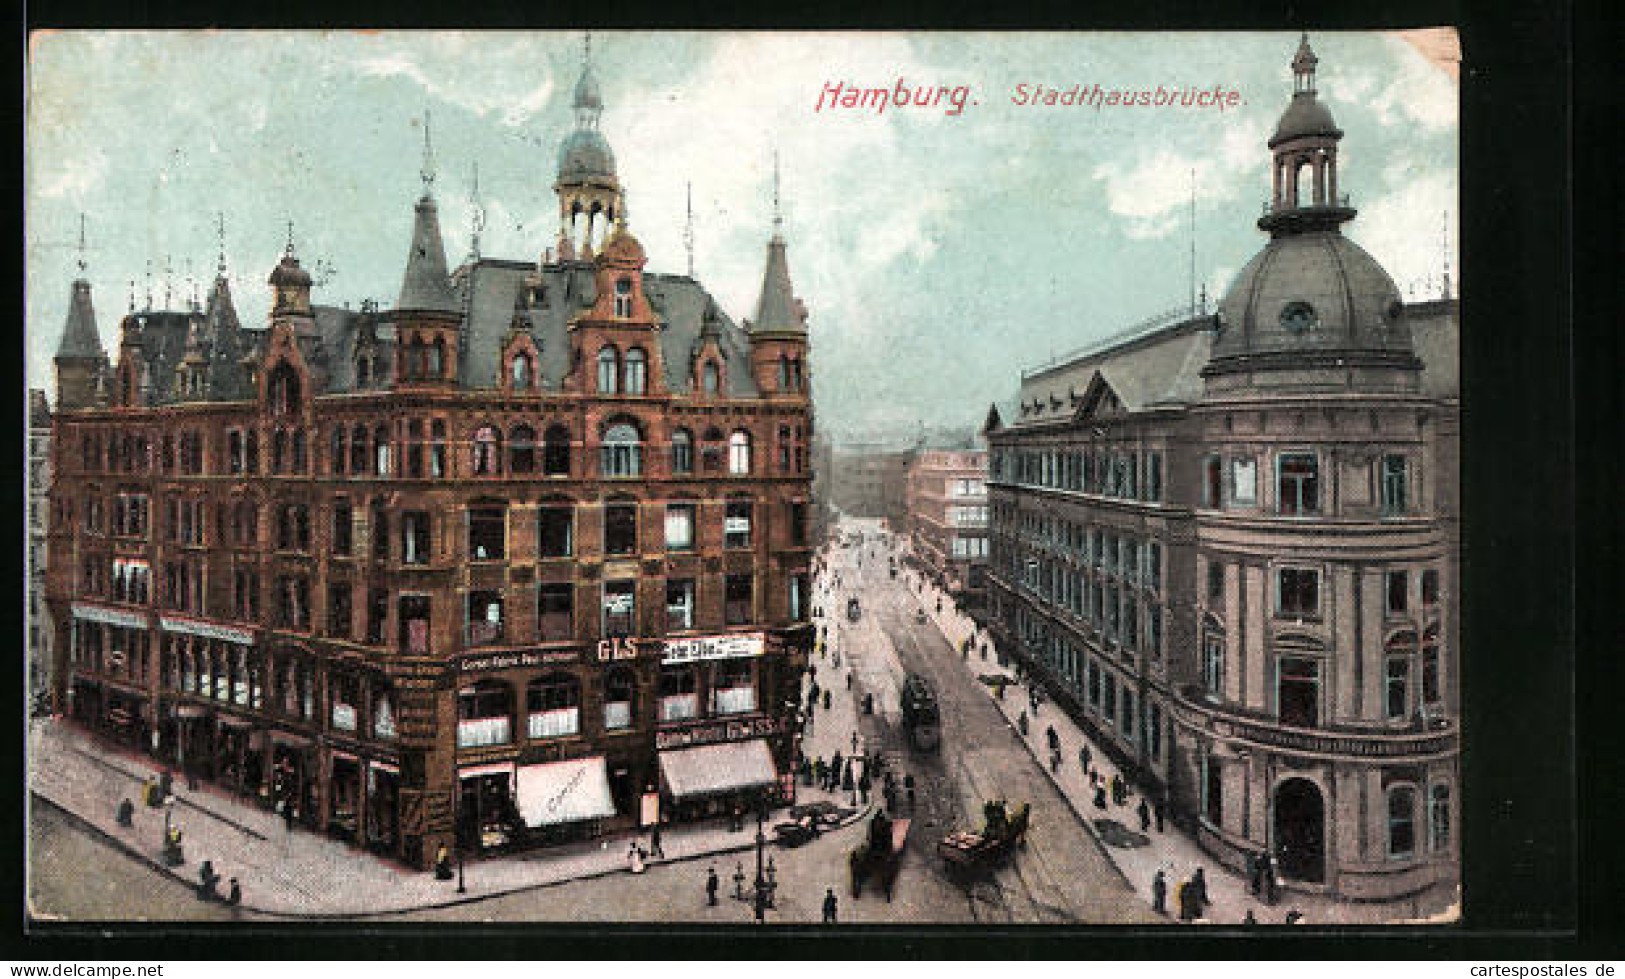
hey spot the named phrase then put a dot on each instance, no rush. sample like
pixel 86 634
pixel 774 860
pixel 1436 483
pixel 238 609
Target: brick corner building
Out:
pixel 525 557
pixel 1230 545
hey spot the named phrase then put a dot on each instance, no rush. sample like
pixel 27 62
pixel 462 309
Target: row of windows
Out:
pixel 1298 590
pixel 1128 475
pixel 1114 555
pixel 1232 481
pixel 1298 677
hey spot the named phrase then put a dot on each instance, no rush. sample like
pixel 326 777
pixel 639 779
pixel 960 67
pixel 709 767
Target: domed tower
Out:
pixel 778 334
pixel 1311 299
pixel 427 315
pixel 1315 721
pixel 290 289
pixel 588 191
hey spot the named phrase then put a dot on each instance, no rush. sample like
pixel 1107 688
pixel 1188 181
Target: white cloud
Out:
pixel 1403 229
pixel 72 176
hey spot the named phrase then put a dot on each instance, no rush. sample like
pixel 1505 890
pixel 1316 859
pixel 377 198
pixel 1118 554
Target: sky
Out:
pixel 938 250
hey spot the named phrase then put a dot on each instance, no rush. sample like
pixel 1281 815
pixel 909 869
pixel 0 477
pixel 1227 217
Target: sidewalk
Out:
pixel 1171 851
pixel 301 874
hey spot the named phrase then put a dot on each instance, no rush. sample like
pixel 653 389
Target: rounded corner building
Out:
pixel 522 559
pixel 1229 543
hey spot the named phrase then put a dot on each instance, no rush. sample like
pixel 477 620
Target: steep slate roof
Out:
pixel 1161 367
pixel 424 285
pixel 79 336
pixel 776 309
pixel 682 303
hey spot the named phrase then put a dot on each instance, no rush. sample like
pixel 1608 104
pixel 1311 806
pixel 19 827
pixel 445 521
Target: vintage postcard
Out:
pixel 712 478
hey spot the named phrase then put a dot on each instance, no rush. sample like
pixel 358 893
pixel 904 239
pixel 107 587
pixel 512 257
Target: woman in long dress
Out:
pixel 634 857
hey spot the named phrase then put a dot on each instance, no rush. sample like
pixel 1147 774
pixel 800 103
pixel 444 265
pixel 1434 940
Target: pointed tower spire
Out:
pixel 425 286
pixel 149 284
pixel 1444 245
pixel 80 356
pixel 476 216
pixel 777 310
pixel 426 172
pixel 688 230
pixel 169 271
pixel 81 262
pixel 220 231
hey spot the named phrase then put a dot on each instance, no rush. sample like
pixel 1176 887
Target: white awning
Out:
pixel 564 792
pixel 713 768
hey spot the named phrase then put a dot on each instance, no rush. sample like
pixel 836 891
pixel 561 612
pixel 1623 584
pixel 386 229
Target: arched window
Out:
pixel 484 713
pixel 284 389
pixel 519 370
pixel 486 447
pixel 380 449
pixel 637 363
pixel 437 449
pixel 522 450
pixel 383 718
pixel 554 706
pixel 682 451
pixel 556 451
pixel 711 377
pixel 739 454
pixel 608 369
pixel 419 359
pixel 358 450
pixel 622 450
pixel 1401 822
pixel 623 297
pixel 784 373
pixel 437 358
pixel 620 698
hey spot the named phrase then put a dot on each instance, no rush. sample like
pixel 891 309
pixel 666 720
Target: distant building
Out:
pixel 524 558
pixel 39 481
pixel 947 519
pixel 1230 545
pixel 870 480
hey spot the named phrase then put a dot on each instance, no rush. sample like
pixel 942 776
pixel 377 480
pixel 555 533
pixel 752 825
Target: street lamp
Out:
pixel 761 843
pixel 461 888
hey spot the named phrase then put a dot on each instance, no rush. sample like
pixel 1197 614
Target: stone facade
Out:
pixel 1230 544
pixel 947 519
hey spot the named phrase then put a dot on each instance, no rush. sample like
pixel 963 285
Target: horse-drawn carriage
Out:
pixel 880 855
pixel 1001 833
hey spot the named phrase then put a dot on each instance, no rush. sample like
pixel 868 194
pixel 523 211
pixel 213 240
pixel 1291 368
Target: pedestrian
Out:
pixel 829 906
pixel 1144 812
pixel 826 692
pixel 1156 809
pixel 654 843
pixel 1050 736
pixel 1159 893
pixel 1294 916
pixel 836 767
pixel 206 881
pixel 442 863
pixel 1119 790
pixel 287 814
pixel 854 742
pixel 634 859
pixel 1250 919
pixel 711 887
pixel 1272 880
pixel 849 679
pixel 234 897
pixel 1197 890
pixel 126 813
pixel 1255 873
pixel 1055 760
pixel 738 819
pixel 1100 795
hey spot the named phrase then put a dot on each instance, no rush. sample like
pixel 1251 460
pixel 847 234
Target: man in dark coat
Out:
pixel 1271 880
pixel 1100 795
pixel 1156 809
pixel 1196 888
pixel 829 906
pixel 711 887
pixel 235 896
pixel 1159 893
pixel 1119 790
pixel 206 881
pixel 654 843
pixel 1255 873
pixel 126 813
pixel 1144 812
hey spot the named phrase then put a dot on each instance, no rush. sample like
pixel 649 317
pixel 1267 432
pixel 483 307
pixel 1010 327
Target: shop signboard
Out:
pixel 713 647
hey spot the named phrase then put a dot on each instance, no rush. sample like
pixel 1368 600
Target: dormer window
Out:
pixel 520 371
pixel 623 297
pixel 284 390
pixel 711 378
